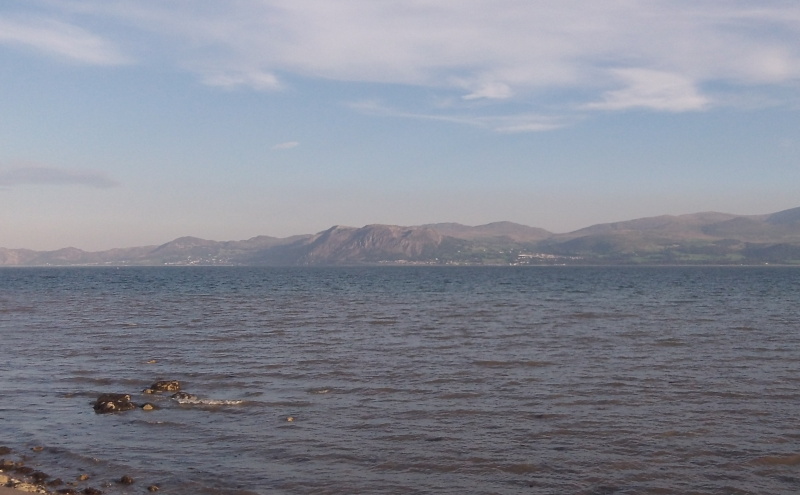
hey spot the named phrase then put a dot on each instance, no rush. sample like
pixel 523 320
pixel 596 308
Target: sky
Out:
pixel 134 122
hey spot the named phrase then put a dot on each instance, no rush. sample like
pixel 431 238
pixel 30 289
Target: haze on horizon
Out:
pixel 135 122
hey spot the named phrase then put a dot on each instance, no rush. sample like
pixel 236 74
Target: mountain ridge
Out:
pixel 697 238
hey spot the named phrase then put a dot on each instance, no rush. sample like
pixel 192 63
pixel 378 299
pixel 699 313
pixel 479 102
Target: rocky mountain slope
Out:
pixel 700 238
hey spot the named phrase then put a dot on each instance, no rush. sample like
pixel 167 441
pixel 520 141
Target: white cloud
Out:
pixel 652 90
pixel 60 39
pixel 33 174
pixel 286 146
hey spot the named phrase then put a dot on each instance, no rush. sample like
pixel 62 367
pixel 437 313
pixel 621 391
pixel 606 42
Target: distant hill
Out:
pixel 371 244
pixel 500 231
pixel 699 238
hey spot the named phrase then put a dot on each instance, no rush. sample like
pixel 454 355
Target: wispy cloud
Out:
pixel 514 123
pixel 60 39
pixel 253 79
pixel 286 146
pixel 32 174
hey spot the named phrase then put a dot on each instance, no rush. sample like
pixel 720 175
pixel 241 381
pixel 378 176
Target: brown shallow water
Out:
pixel 410 380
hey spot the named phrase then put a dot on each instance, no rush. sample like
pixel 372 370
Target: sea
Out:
pixel 407 380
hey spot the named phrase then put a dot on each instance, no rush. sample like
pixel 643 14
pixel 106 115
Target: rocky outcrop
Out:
pixel 112 403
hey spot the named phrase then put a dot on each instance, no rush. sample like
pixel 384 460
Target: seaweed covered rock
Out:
pixel 111 403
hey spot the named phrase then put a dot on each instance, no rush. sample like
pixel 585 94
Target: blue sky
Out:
pixel 133 122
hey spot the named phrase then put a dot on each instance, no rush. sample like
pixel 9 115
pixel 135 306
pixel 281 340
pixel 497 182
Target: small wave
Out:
pixel 319 390
pixel 211 402
pixel 512 364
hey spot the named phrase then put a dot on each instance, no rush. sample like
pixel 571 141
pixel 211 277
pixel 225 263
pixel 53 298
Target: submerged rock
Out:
pixel 126 480
pixel 111 403
pixel 39 476
pixel 166 386
pixel 149 406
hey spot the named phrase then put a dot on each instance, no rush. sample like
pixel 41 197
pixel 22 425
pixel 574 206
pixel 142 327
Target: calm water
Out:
pixel 409 380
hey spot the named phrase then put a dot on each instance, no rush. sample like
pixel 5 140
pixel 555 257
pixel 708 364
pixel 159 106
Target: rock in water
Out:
pixel 110 403
pixel 166 386
pixel 114 397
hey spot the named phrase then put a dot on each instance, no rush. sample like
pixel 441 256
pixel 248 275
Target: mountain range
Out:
pixel 699 238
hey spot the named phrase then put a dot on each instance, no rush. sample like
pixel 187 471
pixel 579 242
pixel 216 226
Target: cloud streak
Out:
pixel 41 175
pixel 286 146
pixel 510 124
pixel 56 38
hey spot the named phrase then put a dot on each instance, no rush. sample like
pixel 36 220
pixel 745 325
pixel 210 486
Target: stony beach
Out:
pixel 19 474
pixel 9 491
